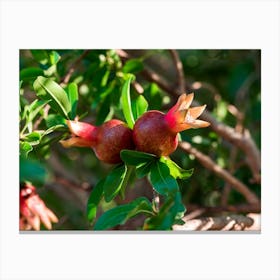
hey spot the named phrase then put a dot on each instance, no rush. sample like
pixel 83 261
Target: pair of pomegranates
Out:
pixel 154 132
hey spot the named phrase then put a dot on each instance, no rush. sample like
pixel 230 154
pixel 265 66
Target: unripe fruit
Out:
pixel 157 133
pixel 106 140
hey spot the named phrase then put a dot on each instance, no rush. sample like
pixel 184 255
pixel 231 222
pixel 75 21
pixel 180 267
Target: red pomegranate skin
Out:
pixel 106 140
pixel 157 133
pixel 151 134
pixel 112 137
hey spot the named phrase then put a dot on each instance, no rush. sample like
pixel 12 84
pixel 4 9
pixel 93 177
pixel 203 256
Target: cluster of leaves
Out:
pixel 56 102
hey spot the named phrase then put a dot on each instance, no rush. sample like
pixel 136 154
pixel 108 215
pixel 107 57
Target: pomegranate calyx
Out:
pixel 180 117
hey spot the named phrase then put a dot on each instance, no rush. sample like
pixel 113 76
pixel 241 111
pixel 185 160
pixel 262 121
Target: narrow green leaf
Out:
pixel 25 148
pixel 30 72
pixel 114 182
pixel 73 97
pixel 161 179
pixel 126 102
pixel 120 214
pixel 133 65
pixel 48 89
pixel 125 182
pixel 136 158
pixel 33 138
pixel 175 170
pixel 94 199
pixel 35 107
pixel 139 106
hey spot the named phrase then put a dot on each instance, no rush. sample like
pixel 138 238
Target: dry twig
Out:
pixel 223 223
pixel 211 165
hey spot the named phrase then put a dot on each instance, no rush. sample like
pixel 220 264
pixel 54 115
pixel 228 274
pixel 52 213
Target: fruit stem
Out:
pixel 156 201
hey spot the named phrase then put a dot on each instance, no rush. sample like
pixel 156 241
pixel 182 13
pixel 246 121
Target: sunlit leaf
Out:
pixel 139 106
pixel 50 90
pixel 120 214
pixel 73 97
pixel 133 65
pixel 33 138
pixel 175 170
pixel 126 102
pixel 161 179
pixel 25 148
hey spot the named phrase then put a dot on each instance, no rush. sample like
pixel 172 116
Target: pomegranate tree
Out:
pixel 157 133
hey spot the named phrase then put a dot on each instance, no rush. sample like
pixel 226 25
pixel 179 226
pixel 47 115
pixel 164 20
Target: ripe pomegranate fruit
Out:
pixel 106 140
pixel 157 133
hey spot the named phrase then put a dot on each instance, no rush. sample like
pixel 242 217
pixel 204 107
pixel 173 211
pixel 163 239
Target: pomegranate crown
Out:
pixel 180 117
pixel 83 135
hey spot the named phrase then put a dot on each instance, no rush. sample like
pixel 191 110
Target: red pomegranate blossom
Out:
pixel 33 210
pixel 157 133
pixel 106 140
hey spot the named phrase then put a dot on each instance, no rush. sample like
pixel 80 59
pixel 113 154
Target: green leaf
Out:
pixel 161 179
pixel 136 158
pixel 30 73
pixel 50 90
pixel 34 108
pixel 54 57
pixel 120 214
pixel 25 148
pixel 114 182
pixel 73 97
pixel 41 56
pixel 33 138
pixel 53 120
pixel 126 102
pixel 133 65
pixel 143 169
pixel 94 200
pixel 104 111
pixel 139 106
pixel 175 170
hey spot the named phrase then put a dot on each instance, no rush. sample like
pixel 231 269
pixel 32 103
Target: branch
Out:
pixel 72 68
pixel 224 223
pixel 180 72
pixel 239 208
pixel 211 165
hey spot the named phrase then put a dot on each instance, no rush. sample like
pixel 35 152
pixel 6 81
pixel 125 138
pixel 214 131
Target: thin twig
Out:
pixel 72 68
pixel 180 72
pixel 211 165
pixel 239 208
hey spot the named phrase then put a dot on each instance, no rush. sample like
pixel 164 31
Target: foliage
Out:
pixel 96 86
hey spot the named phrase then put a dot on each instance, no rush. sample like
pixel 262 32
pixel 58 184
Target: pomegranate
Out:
pixel 157 133
pixel 106 140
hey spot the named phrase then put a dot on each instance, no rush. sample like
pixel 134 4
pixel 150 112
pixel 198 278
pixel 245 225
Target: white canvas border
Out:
pixel 133 24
